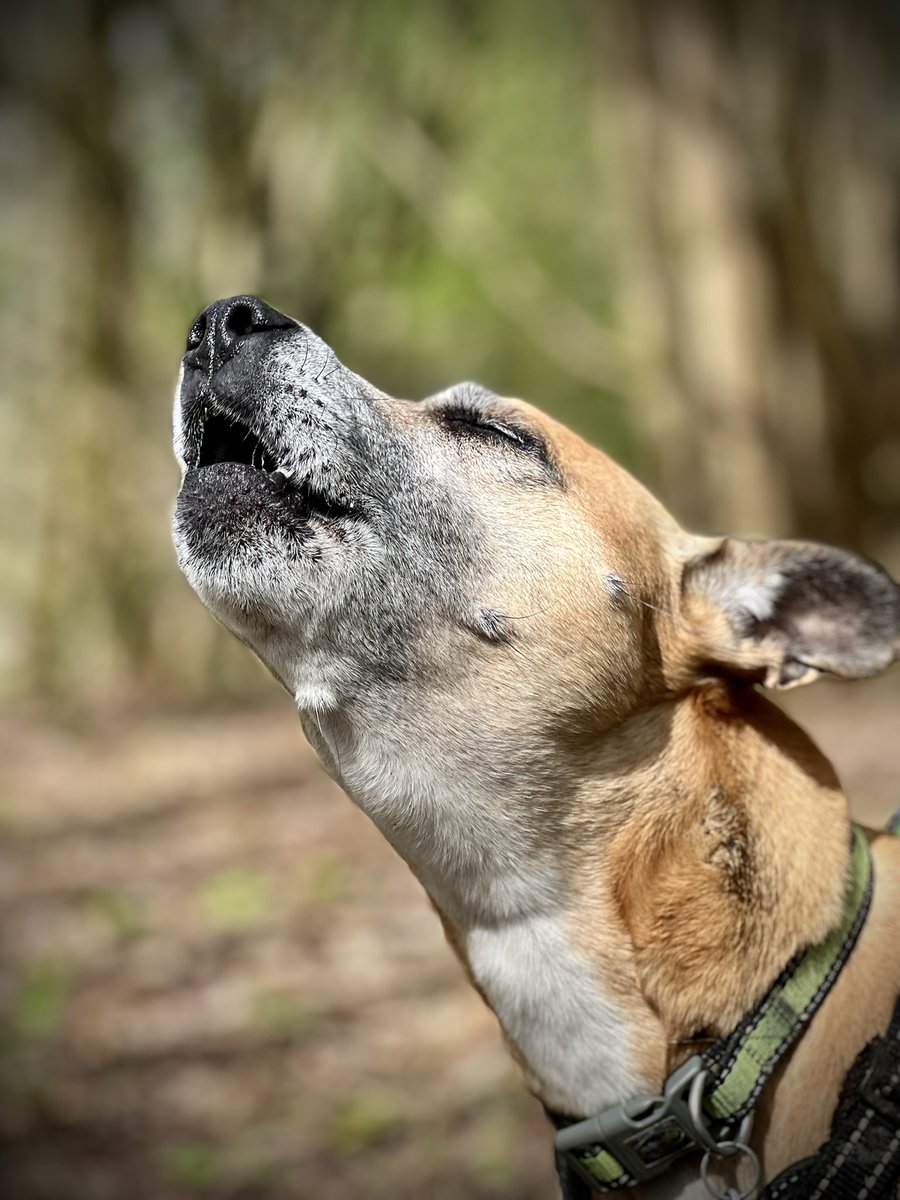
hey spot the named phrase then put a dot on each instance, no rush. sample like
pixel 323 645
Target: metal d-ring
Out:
pixel 729 1150
pixel 698 1117
pixel 699 1120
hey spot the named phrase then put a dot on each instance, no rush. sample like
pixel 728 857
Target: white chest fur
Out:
pixel 575 1039
pixel 480 866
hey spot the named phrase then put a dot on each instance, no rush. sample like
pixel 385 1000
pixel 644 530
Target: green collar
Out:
pixel 707 1104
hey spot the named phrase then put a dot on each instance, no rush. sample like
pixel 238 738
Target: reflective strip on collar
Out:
pixel 606 1168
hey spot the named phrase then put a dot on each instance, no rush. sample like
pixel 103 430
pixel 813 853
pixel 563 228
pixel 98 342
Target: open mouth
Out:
pixel 224 439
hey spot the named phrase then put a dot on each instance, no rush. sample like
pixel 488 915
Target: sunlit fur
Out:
pixel 625 841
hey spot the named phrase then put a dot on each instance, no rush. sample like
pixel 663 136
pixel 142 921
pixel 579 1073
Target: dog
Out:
pixel 547 696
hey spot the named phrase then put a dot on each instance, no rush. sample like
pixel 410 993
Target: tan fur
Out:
pixel 625 840
pixel 706 838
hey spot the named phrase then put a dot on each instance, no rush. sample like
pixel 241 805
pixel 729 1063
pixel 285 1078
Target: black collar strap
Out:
pixel 707 1103
pixel 861 1159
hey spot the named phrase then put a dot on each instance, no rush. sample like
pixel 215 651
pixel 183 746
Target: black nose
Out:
pixel 218 330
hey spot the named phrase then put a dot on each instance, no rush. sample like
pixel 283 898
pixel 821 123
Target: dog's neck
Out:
pixel 651 904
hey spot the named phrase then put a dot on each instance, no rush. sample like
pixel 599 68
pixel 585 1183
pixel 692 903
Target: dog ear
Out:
pixel 787 612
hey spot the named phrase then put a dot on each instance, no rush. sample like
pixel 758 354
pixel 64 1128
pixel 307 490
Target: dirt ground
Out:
pixel 219 981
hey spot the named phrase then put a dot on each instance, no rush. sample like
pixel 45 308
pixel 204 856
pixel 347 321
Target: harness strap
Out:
pixel 861 1159
pixel 707 1098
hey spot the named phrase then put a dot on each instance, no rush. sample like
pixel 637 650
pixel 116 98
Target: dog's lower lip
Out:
pixel 296 492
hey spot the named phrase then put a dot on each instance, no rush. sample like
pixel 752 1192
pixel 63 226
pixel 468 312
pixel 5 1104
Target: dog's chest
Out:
pixel 479 862
pixel 574 1036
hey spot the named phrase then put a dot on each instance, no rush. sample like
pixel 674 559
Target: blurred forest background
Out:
pixel 673 223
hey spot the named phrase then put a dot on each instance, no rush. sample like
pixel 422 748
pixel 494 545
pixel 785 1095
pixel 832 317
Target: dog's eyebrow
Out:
pixel 471 402
pixel 471 399
pixel 488 410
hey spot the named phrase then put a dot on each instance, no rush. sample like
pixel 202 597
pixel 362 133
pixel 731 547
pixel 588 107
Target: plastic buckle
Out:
pixel 648 1133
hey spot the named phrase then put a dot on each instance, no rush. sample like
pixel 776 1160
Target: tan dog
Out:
pixel 542 690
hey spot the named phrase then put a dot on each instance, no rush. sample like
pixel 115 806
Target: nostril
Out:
pixel 197 332
pixel 219 330
pixel 240 319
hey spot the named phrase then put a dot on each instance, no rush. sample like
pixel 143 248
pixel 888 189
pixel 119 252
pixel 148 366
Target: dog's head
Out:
pixel 468 553
pixel 359 542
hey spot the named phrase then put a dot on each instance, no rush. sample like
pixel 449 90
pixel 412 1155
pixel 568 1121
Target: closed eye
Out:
pixel 469 421
pixel 472 414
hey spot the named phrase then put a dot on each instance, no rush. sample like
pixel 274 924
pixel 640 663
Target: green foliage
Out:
pixel 41 999
pixel 220 1169
pixel 384 171
pixel 323 877
pixel 365 1121
pixel 645 218
pixel 281 1015
pixel 494 1143
pixel 119 911
pixel 235 900
pixel 193 1165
